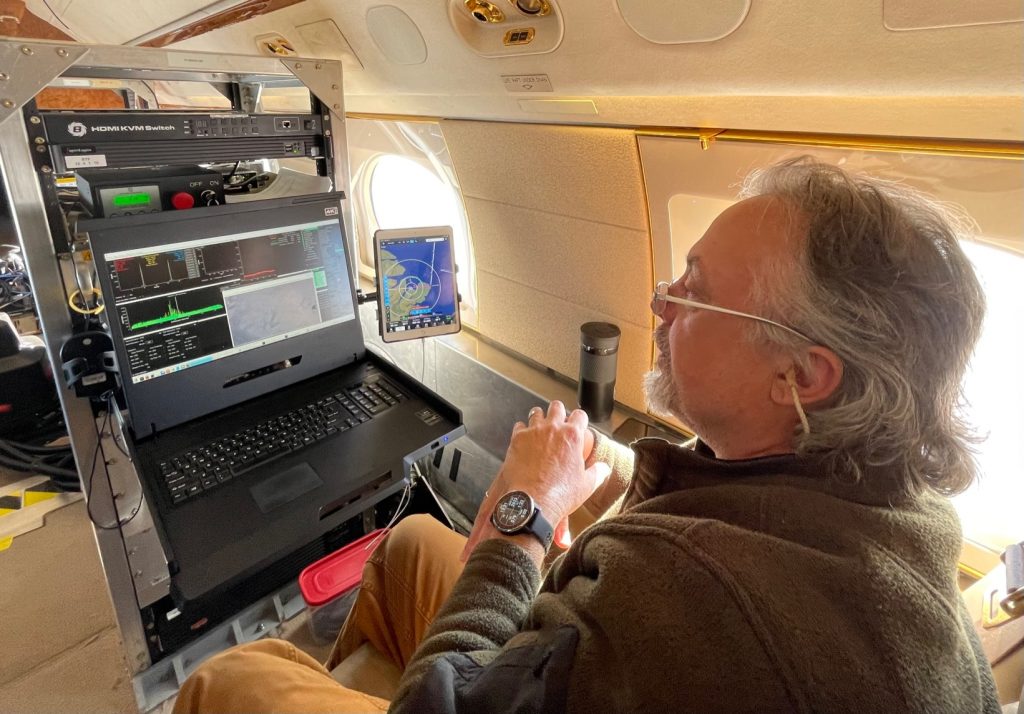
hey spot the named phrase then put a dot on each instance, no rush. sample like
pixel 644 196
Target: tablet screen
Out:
pixel 416 285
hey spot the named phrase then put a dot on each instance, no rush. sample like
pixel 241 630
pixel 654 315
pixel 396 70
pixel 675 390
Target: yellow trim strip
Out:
pixel 969 571
pixel 391 117
pixel 947 147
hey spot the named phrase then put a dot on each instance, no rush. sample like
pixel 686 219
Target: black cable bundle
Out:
pixel 57 462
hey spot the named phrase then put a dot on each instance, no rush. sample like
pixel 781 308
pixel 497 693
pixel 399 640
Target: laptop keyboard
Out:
pixel 191 473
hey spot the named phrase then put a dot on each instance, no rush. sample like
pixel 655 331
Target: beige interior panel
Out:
pixel 586 172
pixel 610 265
pixel 559 225
pixel 546 328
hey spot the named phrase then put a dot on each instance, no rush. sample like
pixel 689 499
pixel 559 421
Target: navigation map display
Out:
pixel 416 284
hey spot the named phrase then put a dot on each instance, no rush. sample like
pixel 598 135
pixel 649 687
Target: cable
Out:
pixel 437 499
pixel 57 18
pixel 403 503
pixel 92 471
pixel 48 460
pixel 95 292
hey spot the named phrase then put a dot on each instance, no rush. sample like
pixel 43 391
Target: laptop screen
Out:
pixel 185 304
pixel 211 307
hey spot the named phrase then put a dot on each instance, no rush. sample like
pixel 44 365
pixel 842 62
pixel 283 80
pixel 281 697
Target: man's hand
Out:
pixel 545 459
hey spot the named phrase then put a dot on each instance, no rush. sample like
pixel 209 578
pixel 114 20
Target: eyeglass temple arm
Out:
pixel 727 311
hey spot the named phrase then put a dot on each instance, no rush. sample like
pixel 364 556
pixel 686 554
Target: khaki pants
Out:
pixel 405 582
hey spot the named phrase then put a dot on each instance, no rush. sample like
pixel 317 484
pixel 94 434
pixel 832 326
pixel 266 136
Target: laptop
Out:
pixel 259 421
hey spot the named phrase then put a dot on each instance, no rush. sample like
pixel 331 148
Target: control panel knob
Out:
pixel 209 198
pixel 182 200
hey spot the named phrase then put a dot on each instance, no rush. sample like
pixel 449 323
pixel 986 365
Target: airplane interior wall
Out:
pixel 560 234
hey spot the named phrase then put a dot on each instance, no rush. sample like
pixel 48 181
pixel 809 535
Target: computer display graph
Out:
pixel 173 313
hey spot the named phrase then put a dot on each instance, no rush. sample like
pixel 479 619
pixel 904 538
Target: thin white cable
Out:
pixel 796 402
pixel 403 503
pixel 437 499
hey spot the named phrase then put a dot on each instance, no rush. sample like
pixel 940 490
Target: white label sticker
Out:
pixel 72 82
pixel 188 59
pixel 91 379
pixel 87 161
pixel 526 83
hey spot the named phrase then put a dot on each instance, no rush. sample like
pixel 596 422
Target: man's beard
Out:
pixel 659 389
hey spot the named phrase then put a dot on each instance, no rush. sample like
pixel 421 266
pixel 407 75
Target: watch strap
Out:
pixel 541 528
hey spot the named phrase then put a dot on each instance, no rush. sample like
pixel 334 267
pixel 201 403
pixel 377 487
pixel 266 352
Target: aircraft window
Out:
pixel 402 178
pixel 688 187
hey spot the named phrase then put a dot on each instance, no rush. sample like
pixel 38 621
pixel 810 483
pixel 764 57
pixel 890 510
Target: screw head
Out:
pixel 62 52
pixel 46 170
pixel 39 140
pixel 337 106
pixel 4 76
pixel 334 86
pixel 298 65
pixel 8 104
pixel 35 120
pixel 26 50
pixel 41 149
pixel 327 132
pixel 319 66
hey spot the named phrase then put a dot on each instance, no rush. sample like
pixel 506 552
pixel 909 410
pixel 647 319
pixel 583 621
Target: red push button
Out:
pixel 182 200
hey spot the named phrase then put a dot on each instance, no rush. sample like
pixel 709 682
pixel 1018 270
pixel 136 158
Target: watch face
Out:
pixel 513 511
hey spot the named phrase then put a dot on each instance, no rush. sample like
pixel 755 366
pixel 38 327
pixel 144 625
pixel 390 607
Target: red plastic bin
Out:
pixel 330 585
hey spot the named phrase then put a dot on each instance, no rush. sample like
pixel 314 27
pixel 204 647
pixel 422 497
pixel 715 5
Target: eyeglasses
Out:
pixel 661 298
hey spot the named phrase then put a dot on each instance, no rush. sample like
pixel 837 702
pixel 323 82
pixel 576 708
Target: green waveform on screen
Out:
pixel 174 314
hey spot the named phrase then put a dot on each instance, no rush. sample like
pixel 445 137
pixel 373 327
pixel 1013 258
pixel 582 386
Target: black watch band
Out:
pixel 539 527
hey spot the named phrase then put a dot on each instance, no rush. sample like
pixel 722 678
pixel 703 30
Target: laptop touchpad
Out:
pixel 285 487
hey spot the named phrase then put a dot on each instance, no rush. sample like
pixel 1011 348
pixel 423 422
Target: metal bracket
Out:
pixel 27 67
pixel 250 93
pixel 707 137
pixel 323 79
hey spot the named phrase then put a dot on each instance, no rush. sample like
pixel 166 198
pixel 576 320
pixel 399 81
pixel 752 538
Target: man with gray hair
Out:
pixel 799 556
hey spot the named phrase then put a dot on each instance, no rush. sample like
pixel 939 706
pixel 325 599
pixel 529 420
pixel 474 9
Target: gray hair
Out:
pixel 882 281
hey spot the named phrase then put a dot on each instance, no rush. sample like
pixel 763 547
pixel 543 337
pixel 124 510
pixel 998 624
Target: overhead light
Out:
pixel 484 11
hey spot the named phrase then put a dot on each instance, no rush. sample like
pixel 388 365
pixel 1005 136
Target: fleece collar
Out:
pixel 662 467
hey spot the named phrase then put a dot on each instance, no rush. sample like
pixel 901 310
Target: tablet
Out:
pixel 416 287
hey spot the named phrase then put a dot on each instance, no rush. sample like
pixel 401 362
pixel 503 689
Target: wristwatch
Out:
pixel 516 513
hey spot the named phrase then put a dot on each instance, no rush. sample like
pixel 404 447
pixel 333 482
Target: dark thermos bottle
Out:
pixel 599 346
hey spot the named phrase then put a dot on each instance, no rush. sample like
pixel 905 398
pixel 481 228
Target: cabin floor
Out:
pixel 60 649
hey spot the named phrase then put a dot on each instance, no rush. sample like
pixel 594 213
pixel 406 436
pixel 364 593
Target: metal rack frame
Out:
pixel 131 556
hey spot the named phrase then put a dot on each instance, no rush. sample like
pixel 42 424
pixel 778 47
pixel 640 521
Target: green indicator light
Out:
pixel 132 199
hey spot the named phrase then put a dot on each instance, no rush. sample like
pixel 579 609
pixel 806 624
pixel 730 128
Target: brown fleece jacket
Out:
pixel 734 586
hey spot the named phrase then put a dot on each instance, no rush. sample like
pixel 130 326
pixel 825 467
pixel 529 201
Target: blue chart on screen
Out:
pixel 418 279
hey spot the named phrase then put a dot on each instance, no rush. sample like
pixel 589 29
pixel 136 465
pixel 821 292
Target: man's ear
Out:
pixel 815 384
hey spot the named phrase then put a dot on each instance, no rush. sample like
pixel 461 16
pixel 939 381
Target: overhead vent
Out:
pixel 506 28
pixel 396 35
pixel 674 22
pixel 916 15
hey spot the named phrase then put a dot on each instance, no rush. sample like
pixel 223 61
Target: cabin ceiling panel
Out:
pixel 585 172
pixel 609 266
pixel 110 22
pixel 547 329
pixel 806 52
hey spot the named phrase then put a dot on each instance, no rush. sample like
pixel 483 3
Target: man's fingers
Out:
pixel 556 412
pixel 535 414
pixel 578 418
pixel 518 427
